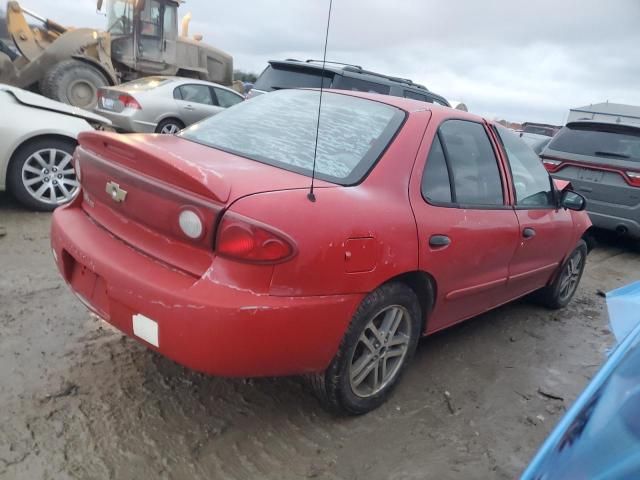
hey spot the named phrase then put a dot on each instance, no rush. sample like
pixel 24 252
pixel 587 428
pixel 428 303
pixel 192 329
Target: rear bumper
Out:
pixel 203 325
pixel 615 217
pixel 127 121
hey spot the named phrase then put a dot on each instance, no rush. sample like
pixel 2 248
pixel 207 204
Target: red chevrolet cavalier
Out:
pixel 207 248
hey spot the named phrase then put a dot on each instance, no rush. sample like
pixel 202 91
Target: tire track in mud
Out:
pixel 135 404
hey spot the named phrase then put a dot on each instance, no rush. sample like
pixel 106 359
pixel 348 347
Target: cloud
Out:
pixel 512 59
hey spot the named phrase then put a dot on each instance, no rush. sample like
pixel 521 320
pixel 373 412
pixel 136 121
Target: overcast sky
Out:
pixel 514 59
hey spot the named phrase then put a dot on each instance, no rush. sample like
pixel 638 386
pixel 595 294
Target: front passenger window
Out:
pixel 196 94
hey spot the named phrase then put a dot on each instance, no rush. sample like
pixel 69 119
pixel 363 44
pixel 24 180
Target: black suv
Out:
pixel 297 74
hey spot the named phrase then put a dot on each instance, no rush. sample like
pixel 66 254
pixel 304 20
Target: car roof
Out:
pixel 346 68
pixel 409 105
pixel 180 80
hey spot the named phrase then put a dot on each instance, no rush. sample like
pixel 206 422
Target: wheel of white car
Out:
pixel 41 174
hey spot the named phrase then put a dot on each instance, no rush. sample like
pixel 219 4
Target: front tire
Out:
pixel 374 352
pixel 41 173
pixel 562 289
pixel 73 82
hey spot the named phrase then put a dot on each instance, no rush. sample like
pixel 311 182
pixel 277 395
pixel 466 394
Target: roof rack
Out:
pixel 348 67
pixel 334 63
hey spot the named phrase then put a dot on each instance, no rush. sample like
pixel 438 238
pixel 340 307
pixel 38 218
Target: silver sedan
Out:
pixel 163 104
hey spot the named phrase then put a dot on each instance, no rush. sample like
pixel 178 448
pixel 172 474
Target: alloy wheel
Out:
pixel 571 275
pixel 170 129
pixel 49 177
pixel 380 351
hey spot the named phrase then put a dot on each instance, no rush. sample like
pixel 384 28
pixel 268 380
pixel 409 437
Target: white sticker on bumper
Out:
pixel 146 329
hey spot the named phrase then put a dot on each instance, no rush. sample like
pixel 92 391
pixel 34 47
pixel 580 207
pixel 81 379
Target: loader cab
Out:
pixel 143 32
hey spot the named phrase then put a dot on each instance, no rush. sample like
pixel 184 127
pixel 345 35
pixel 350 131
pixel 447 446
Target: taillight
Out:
pixel 551 165
pixel 634 178
pixel 246 240
pixel 129 102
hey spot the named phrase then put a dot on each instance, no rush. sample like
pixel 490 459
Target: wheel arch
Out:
pixel 425 287
pixel 590 239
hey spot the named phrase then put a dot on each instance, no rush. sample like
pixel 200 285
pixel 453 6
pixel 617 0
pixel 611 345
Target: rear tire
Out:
pixel 560 292
pixel 73 82
pixel 33 171
pixel 169 126
pixel 374 352
pixel 7 51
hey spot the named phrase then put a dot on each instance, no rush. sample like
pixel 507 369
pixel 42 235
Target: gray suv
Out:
pixel 602 161
pixel 298 74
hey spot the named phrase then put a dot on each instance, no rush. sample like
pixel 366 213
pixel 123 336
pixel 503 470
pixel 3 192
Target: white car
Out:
pixel 37 141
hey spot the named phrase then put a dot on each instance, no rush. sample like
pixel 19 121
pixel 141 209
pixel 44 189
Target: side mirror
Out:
pixel 99 5
pixel 573 201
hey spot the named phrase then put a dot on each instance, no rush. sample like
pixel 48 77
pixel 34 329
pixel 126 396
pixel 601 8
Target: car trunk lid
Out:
pixel 136 187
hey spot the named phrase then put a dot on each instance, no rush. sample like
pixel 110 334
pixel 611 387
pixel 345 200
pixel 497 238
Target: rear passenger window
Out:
pixel 473 163
pixel 227 99
pixel 416 96
pixel 355 84
pixel 196 94
pixel 436 186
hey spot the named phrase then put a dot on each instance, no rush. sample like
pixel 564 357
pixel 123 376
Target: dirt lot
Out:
pixel 81 401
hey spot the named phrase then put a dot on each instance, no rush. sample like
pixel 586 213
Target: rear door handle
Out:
pixel 189 107
pixel 529 232
pixel 439 241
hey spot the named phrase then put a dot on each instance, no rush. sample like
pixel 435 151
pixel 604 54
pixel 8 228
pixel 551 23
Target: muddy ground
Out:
pixel 78 400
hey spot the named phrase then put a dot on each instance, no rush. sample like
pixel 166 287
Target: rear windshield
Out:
pixel 548 132
pixel 277 78
pixel 358 85
pixel 596 140
pixel 279 129
pixel 146 83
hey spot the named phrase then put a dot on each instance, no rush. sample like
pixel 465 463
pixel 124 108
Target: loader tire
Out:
pixel 7 51
pixel 73 82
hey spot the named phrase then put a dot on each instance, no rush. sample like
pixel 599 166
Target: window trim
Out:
pixel 454 203
pixel 515 206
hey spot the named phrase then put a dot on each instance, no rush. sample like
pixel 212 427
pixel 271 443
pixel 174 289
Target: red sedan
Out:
pixel 207 248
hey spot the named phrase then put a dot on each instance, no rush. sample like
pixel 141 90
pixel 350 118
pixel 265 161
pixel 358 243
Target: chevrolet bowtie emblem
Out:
pixel 115 192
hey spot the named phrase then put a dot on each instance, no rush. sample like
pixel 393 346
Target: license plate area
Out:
pixel 108 103
pixel 88 285
pixel 589 175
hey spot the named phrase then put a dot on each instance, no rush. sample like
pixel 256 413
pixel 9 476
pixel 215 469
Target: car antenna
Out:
pixel 311 196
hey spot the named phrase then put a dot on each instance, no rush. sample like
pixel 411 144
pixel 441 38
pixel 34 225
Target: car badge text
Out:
pixel 117 194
